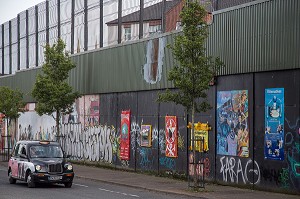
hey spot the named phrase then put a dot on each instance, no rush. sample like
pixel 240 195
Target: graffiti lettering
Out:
pixel 94 143
pixel 233 171
pixel 271 175
pixel 167 162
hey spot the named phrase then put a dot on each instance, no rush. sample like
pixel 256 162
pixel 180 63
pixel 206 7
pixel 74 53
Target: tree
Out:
pixel 194 69
pixel 51 91
pixel 11 104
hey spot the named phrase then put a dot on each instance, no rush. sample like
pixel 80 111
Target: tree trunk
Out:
pixel 57 125
pixel 193 145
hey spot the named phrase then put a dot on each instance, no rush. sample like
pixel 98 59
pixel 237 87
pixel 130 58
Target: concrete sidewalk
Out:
pixel 167 185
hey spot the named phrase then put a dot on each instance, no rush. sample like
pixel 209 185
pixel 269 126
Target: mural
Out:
pixel 274 123
pixel 43 126
pixel 154 60
pixel 125 135
pixel 171 136
pixel 2 131
pixel 232 123
pixel 146 135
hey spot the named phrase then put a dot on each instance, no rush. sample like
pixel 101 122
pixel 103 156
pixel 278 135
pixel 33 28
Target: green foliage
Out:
pixel 194 70
pixel 11 102
pixel 51 91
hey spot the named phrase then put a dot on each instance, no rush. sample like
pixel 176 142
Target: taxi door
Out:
pixel 13 162
pixel 22 161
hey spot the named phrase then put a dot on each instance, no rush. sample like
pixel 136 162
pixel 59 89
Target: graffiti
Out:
pixel 293 126
pixel 284 178
pixel 155 135
pixel 290 176
pixel 293 159
pixel 162 141
pixel 289 138
pixel 125 163
pixel 135 135
pixel 167 162
pixel 180 141
pixel 92 143
pixel 146 158
pixel 202 168
pixel 233 171
pixel 154 60
pixel 271 175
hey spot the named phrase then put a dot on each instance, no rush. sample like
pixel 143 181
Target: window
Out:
pixel 154 29
pixel 178 25
pixel 16 149
pixel 127 33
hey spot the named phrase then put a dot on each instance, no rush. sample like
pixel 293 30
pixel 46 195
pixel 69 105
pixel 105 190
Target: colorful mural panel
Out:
pixel 91 108
pixel 201 136
pixel 274 123
pixel 146 135
pixel 125 136
pixel 43 127
pixel 171 136
pixel 232 123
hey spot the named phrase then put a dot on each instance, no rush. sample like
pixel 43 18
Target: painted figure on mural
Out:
pixel 224 130
pixel 274 108
pixel 231 141
pixel 243 105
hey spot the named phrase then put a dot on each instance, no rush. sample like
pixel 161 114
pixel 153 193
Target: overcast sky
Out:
pixel 9 9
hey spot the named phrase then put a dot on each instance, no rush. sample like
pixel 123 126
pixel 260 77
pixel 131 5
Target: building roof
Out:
pixel 151 13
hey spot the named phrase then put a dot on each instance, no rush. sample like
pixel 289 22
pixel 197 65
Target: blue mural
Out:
pixel 274 123
pixel 232 123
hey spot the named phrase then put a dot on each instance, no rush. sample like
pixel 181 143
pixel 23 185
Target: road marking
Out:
pixel 81 185
pixel 126 194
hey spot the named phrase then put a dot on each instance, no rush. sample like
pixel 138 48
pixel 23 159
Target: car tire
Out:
pixel 11 179
pixel 68 184
pixel 29 181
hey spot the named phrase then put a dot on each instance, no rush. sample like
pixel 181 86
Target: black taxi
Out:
pixel 39 162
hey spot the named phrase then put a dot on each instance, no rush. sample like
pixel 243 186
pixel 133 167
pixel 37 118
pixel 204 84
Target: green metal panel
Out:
pixel 260 36
pixel 22 80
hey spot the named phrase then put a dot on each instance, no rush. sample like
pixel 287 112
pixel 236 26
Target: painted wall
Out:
pixel 243 160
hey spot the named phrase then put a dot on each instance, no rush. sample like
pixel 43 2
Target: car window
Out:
pixel 16 149
pixel 45 151
pixel 21 149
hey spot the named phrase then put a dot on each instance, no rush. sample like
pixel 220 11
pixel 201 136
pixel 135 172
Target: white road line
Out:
pixel 81 185
pixel 126 194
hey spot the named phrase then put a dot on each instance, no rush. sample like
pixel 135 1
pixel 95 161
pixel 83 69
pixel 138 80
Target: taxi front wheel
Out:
pixel 29 181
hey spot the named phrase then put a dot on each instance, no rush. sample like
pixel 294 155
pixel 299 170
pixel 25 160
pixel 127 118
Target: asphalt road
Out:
pixel 81 189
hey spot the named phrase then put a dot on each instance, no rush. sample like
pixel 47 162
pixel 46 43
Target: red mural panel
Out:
pixel 171 136
pixel 125 135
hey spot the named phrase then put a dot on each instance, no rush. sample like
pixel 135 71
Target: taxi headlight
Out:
pixel 69 167
pixel 38 167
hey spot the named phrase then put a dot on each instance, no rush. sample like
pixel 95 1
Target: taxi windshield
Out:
pixel 45 151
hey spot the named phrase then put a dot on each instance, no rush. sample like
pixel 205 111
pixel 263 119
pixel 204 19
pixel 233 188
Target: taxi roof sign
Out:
pixel 44 142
